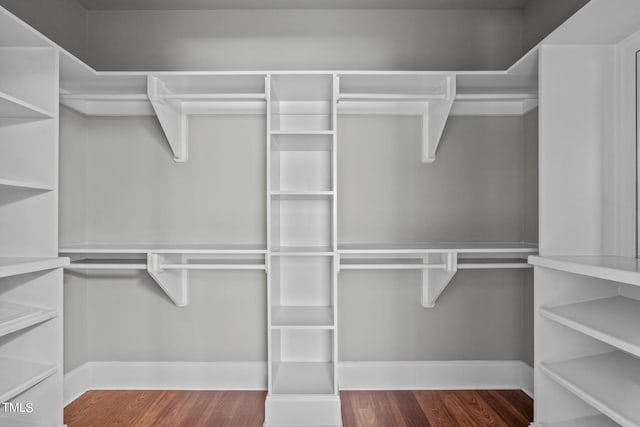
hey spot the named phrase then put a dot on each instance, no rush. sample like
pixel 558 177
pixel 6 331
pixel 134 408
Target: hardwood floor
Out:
pixel 469 408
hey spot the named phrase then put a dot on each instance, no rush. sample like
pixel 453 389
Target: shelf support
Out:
pixel 434 282
pixel 434 119
pixel 171 116
pixel 173 282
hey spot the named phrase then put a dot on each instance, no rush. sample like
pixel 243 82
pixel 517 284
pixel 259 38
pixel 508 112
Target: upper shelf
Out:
pixel 614 268
pixel 422 248
pixel 162 248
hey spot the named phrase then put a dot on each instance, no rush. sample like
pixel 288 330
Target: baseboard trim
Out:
pixel 432 375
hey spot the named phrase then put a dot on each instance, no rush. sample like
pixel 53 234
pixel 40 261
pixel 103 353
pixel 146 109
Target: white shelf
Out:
pixel 19 376
pixel 15 317
pixel 301 250
pixel 295 195
pixel 420 248
pixel 611 320
pixel 301 132
pixel 302 317
pixel 609 382
pixel 161 248
pixel 12 185
pixel 303 378
pixel 16 266
pixel 593 421
pixel 614 268
pixel 13 108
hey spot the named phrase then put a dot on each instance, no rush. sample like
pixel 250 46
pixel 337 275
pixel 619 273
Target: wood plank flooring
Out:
pixel 469 408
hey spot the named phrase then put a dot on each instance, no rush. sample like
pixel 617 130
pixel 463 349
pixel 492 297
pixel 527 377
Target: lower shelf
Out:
pixel 303 378
pixel 594 421
pixel 19 376
pixel 609 382
pixel 14 317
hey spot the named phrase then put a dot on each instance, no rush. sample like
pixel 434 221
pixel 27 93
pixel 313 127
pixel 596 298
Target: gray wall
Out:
pixel 304 39
pixel 472 192
pixel 541 17
pixel 63 21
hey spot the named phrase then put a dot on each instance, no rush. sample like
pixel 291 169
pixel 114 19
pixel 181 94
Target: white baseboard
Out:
pixel 76 382
pixel 445 375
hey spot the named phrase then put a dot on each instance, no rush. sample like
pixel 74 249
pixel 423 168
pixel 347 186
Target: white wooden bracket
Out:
pixel 171 116
pixel 434 119
pixel 173 282
pixel 435 280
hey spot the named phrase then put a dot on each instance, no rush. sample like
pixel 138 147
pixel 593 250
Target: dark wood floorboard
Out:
pixel 448 408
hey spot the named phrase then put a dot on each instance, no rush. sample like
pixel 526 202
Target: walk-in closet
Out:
pixel 315 213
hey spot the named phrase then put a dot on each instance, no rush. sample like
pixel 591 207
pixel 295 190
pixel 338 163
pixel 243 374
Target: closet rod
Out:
pixel 393 266
pixel 212 267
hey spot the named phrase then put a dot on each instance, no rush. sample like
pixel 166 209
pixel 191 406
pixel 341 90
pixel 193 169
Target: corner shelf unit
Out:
pixel 589 311
pixel 167 264
pixel 438 262
pixel 30 271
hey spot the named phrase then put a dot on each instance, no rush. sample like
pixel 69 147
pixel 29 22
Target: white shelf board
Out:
pixel 14 108
pixel 301 250
pixel 13 185
pixel 301 195
pixel 303 378
pixel 302 317
pixel 609 382
pixel 614 268
pixel 160 248
pixel 612 320
pixel 15 317
pixel 18 376
pixel 16 266
pixel 420 248
pixel 592 421
pixel 301 132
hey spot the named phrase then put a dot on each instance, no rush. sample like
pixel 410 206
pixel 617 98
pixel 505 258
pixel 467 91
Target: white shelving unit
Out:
pixel 302 303
pixel 586 297
pixel 30 270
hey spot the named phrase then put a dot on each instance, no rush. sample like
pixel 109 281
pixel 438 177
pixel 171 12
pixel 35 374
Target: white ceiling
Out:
pixel 299 4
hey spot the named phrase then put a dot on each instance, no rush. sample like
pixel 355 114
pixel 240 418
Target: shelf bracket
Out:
pixel 173 282
pixel 435 281
pixel 434 119
pixel 171 116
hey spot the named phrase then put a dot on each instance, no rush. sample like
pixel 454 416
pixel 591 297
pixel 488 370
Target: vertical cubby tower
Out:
pixel 302 312
pixel 30 270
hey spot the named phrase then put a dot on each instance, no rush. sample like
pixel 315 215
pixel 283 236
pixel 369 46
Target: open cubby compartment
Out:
pixel 28 224
pixel 302 223
pixel 303 361
pixel 302 291
pixel 46 405
pixel 302 103
pixel 381 86
pixel 302 163
pixel 211 86
pixel 30 75
pixel 28 155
